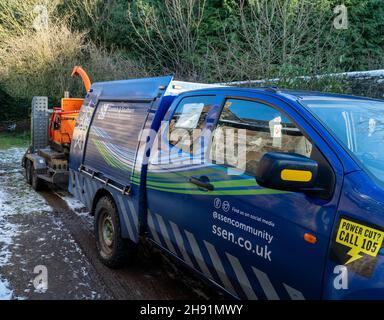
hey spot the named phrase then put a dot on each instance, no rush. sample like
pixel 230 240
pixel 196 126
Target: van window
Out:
pixel 246 130
pixel 188 121
pixel 359 125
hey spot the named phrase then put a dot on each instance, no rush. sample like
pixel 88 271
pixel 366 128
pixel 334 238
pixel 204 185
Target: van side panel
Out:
pixel 108 135
pixel 113 137
pixel 110 151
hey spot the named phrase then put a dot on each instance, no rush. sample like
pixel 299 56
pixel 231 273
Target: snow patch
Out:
pixel 73 203
pixel 13 188
pixel 5 292
pixel 12 156
pixel 78 208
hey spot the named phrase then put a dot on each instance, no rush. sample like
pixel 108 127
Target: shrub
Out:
pixel 39 61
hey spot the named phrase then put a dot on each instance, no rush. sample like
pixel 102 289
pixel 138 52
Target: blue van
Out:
pixel 265 193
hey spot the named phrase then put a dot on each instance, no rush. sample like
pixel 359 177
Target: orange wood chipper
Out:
pixel 64 118
pixel 46 160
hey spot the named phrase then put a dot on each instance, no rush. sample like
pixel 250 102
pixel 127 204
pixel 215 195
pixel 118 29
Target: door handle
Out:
pixel 202 182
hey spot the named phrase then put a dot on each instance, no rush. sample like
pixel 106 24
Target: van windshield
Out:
pixel 359 124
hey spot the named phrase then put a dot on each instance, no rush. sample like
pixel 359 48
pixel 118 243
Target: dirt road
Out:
pixel 47 251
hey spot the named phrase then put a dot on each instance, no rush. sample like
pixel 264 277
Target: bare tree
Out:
pixel 171 34
pixel 276 35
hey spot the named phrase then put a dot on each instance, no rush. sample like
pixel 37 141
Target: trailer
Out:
pixel 46 160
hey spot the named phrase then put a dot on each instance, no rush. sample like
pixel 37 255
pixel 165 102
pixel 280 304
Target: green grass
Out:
pixel 9 140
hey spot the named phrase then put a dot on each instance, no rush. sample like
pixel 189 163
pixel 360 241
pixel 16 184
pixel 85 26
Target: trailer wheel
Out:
pixel 28 171
pixel 37 183
pixel 112 249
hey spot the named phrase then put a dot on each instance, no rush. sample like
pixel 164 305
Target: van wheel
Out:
pixel 37 183
pixel 28 171
pixel 112 249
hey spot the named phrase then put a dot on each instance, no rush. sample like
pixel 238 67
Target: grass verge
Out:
pixel 9 140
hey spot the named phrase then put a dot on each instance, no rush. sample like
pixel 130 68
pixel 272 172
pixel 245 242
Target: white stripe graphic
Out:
pixel 94 189
pixel 197 253
pixel 293 293
pixel 180 243
pixel 80 189
pixel 242 277
pixel 152 228
pixel 165 234
pixel 218 265
pixel 74 188
pixel 95 186
pixel 126 220
pixel 88 192
pixel 133 214
pixel 91 187
pixel 266 284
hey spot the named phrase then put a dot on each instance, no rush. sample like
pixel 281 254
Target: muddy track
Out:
pixel 152 276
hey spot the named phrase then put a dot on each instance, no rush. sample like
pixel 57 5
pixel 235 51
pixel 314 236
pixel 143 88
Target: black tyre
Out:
pixel 112 249
pixel 37 183
pixel 28 171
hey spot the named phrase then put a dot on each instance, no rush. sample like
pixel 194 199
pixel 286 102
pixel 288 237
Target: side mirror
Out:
pixel 287 171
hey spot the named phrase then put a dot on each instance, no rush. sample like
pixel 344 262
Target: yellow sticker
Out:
pixel 296 175
pixel 360 238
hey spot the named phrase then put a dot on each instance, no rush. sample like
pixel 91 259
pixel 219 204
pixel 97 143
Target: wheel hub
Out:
pixel 107 231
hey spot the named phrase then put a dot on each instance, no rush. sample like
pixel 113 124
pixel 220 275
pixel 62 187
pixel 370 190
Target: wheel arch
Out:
pixel 123 249
pixel 98 195
pixel 103 192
